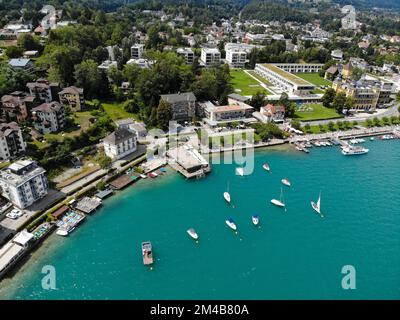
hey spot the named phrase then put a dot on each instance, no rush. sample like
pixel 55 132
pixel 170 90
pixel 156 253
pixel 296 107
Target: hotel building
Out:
pixel 23 183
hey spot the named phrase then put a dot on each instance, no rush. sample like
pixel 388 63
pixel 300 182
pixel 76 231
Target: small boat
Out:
pixel 279 203
pixel 163 170
pixel 227 196
pixel 286 182
pixel 231 224
pixel 255 220
pixel 240 171
pixel 351 151
pixel 317 206
pixel 147 253
pixel 62 232
pixel 155 175
pixel 266 167
pixel 143 176
pixel 372 139
pixel 191 232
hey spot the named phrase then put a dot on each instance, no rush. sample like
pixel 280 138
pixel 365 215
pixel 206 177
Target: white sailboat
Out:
pixel 317 206
pixel 255 219
pixel 279 203
pixel 227 196
pixel 240 171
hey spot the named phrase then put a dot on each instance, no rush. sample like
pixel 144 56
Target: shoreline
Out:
pixel 281 145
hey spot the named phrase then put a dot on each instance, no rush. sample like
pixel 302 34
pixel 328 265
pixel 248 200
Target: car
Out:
pixel 14 214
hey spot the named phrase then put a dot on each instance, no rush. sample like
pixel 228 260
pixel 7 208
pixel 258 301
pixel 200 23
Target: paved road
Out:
pixel 391 111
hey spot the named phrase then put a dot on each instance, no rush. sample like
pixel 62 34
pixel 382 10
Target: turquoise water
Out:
pixel 293 255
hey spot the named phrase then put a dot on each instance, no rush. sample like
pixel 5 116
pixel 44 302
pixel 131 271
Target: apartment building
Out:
pixel 210 56
pixel 187 54
pixel 12 142
pixel 48 117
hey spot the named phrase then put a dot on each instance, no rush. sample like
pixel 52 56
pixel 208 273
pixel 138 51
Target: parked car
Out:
pixel 14 214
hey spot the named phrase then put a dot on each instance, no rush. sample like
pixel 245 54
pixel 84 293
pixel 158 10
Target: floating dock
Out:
pixel 123 181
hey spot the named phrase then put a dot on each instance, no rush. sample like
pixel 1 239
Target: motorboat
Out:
pixel 240 171
pixel 231 224
pixel 147 253
pixel 286 182
pixel 192 233
pixel 266 167
pixel 255 219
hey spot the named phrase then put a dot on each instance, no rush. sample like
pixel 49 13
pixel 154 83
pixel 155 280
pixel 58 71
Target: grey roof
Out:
pixel 71 90
pixel 179 97
pixel 237 97
pixel 118 136
pixel 19 63
pixel 124 122
pixel 48 107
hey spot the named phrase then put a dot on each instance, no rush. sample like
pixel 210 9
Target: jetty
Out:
pixel 88 205
pixel 188 161
pixel 123 181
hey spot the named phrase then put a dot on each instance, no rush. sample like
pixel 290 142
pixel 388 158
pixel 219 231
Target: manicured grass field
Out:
pixel 244 84
pixel 315 112
pixel 314 78
pixel 116 110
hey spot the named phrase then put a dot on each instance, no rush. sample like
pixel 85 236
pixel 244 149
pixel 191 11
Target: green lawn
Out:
pixel 245 85
pixel 315 112
pixel 314 78
pixel 116 111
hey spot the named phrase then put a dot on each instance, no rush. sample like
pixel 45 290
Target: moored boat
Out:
pixel 227 197
pixel 240 171
pixel 192 233
pixel 266 167
pixel 231 224
pixel 286 182
pixel 352 150
pixel 147 253
pixel 279 203
pixel 255 219
pixel 317 206
pixel 143 176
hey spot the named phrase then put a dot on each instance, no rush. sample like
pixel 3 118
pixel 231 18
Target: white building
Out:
pixel 48 117
pixel 236 54
pixel 23 183
pixel 337 55
pixel 137 51
pixel 284 80
pixel 120 143
pixel 11 141
pixel 187 54
pixel 210 56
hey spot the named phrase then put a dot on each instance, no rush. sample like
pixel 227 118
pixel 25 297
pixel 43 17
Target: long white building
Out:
pixel 237 53
pixel 283 77
pixel 23 183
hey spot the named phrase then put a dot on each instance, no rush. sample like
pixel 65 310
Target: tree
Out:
pixel 258 100
pixel 104 162
pixel 29 42
pixel 331 126
pixel 290 110
pixel 296 124
pixel 131 106
pixel 164 114
pixel 328 97
pixel 91 79
pixel 339 102
pixel 14 52
pixel 350 103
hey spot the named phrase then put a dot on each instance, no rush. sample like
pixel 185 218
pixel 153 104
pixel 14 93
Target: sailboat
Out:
pixel 279 203
pixel 317 206
pixel 240 171
pixel 227 196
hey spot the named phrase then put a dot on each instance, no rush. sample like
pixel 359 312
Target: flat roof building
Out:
pixel 23 183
